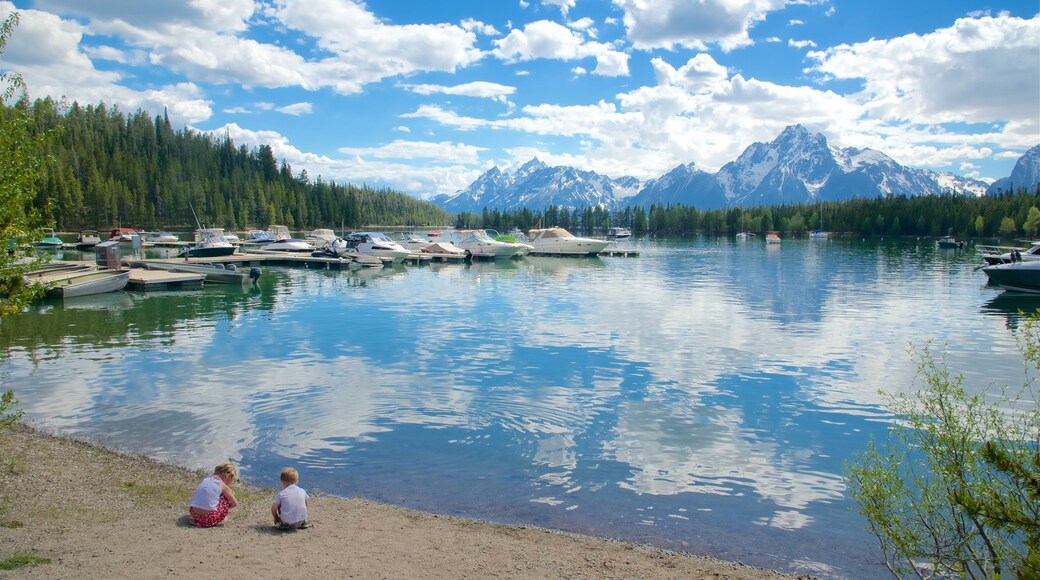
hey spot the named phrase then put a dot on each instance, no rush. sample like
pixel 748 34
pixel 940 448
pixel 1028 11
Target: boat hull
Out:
pixel 1018 276
pixel 86 284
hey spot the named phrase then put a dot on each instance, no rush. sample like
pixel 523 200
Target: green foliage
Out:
pixel 21 155
pixel 1032 223
pixel 9 411
pixel 1007 227
pixel 19 560
pixel 955 491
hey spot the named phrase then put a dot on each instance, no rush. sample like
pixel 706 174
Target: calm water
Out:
pixel 701 397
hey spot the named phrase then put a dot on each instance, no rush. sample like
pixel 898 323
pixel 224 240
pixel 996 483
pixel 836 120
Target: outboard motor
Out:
pixel 231 267
pixel 254 274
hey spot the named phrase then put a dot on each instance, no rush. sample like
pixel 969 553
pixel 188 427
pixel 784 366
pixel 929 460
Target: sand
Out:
pixel 95 513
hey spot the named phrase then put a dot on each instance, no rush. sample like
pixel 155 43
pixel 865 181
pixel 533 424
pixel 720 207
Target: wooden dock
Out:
pixel 145 280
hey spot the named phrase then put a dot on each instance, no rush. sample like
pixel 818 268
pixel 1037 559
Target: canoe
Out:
pixel 86 283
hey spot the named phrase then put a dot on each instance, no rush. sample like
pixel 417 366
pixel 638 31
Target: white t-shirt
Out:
pixel 292 502
pixel 207 495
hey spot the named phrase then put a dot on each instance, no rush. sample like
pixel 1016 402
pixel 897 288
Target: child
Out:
pixel 290 504
pixel 213 498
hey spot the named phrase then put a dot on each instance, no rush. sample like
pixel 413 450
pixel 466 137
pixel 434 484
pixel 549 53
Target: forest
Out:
pixel 105 169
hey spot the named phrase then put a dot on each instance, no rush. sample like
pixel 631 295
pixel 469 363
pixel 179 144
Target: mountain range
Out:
pixel 796 167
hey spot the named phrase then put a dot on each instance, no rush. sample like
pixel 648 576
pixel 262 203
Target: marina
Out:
pixel 702 397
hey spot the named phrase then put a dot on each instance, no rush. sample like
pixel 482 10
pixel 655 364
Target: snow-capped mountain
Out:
pixel 535 185
pixel 1026 174
pixel 796 167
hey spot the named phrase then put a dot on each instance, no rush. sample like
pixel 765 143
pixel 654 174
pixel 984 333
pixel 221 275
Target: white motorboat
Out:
pixel 410 241
pixel 339 248
pixel 772 239
pixel 743 236
pixel 948 242
pixel 87 239
pixel 1016 276
pixel 209 243
pixel 320 236
pixel 377 244
pixel 278 232
pixel 477 244
pixel 559 242
pixel 159 238
pixel 1007 254
pixel 256 239
pixel 618 233
pixel 50 240
pixel 287 245
pixel 86 283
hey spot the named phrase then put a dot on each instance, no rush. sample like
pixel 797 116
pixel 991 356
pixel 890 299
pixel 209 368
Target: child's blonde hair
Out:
pixel 227 469
pixel 290 476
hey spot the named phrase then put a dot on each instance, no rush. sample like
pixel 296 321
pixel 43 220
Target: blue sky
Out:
pixel 423 97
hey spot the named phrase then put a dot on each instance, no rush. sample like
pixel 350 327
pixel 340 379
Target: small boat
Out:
pixel 477 244
pixel 87 239
pixel 558 241
pixel 122 235
pixel 378 245
pixel 745 235
pixel 1016 276
pixel 209 243
pixel 339 248
pixel 772 239
pixel 287 245
pixel 214 272
pixel 256 239
pixel 50 241
pixel 1007 254
pixel 159 238
pixel 817 235
pixel 409 241
pixel 320 236
pixel 618 233
pixel 948 242
pixel 86 283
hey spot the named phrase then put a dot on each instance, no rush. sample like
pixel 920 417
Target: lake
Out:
pixel 703 396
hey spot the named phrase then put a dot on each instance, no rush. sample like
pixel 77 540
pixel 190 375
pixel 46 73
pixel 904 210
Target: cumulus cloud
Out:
pixel 478 27
pixel 680 23
pixel 801 43
pixel 547 39
pixel 978 70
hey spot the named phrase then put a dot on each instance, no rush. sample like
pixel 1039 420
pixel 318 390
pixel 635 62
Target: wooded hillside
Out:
pixel 108 169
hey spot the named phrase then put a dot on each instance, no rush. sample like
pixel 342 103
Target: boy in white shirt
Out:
pixel 290 504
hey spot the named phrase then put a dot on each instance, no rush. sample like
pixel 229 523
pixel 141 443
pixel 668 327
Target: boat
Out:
pixel 122 235
pixel 209 243
pixel 278 232
pixel 618 233
pixel 477 244
pixel 410 241
pixel 58 269
pixel 159 238
pixel 772 239
pixel 948 242
pixel 817 235
pixel 256 239
pixel 559 242
pixel 214 272
pixel 289 245
pixel 745 235
pixel 444 250
pixel 232 238
pixel 86 283
pixel 320 236
pixel 339 248
pixel 1007 254
pixel 87 239
pixel 1016 276
pixel 50 241
pixel 377 244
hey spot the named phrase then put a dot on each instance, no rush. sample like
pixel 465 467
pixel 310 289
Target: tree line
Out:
pixel 107 169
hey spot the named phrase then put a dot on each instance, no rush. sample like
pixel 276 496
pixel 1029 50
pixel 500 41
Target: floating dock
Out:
pixel 146 280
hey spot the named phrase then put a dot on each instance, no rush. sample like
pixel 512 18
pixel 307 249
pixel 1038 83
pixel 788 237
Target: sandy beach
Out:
pixel 95 513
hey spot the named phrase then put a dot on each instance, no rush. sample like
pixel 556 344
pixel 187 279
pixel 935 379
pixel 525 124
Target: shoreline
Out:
pixel 97 512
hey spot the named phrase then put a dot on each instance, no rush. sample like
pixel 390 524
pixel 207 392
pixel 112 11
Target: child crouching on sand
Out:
pixel 290 504
pixel 213 498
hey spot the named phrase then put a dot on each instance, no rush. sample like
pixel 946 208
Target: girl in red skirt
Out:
pixel 213 497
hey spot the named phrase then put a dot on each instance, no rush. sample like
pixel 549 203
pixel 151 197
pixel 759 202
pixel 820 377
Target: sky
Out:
pixel 423 97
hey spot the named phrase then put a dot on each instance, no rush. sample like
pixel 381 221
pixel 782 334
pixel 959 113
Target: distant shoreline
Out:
pixel 95 512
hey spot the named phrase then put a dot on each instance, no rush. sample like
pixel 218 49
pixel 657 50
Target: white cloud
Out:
pixel 402 129
pixel 671 23
pixel 578 71
pixel 442 151
pixel 296 109
pixel 547 39
pixel 801 43
pixel 236 110
pixel 700 74
pixel 977 71
pixel 563 5
pixel 795 22
pixel 479 27
pixel 481 89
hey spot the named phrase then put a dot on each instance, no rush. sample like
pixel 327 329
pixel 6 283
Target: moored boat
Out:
pixel 477 244
pixel 122 235
pixel 618 233
pixel 558 241
pixel 87 239
pixel 86 283
pixel 772 239
pixel 377 244
pixel 209 243
pixel 1007 254
pixel 948 242
pixel 50 240
pixel 1016 276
